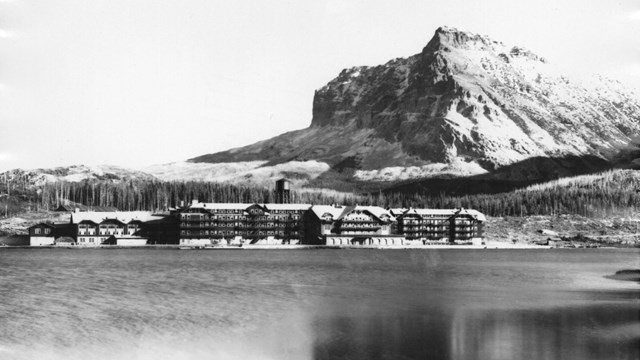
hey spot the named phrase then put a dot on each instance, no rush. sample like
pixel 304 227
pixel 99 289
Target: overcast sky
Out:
pixel 141 82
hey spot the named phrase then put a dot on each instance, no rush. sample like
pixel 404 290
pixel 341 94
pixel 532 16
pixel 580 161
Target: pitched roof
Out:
pixel 448 212
pixel 397 211
pixel 287 206
pixel 123 216
pixel 243 206
pixel 220 206
pixel 42 224
pixel 118 221
pixel 321 210
pixel 376 211
pixel 51 225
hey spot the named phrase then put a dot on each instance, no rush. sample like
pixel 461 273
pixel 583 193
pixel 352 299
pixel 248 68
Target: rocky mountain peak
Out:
pixel 449 37
pixel 466 104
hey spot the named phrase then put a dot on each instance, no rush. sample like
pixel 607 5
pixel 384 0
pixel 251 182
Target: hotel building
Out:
pixel 235 223
pixel 351 225
pixel 119 228
pixel 441 225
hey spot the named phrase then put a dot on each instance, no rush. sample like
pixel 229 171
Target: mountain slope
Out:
pixel 466 105
pixel 76 173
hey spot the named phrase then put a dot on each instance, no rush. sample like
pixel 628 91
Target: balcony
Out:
pixel 194 226
pixel 194 220
pixel 347 221
pixel 359 228
pixel 259 227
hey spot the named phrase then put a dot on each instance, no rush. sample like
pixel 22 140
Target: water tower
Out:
pixel 283 188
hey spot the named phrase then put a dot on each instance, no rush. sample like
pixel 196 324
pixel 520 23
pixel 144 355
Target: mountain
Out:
pixel 75 173
pixel 465 106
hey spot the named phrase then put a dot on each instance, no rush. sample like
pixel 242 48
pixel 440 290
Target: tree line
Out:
pixel 608 193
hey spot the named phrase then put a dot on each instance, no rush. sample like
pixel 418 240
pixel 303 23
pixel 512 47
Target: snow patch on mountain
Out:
pixel 78 173
pixel 458 167
pixel 465 105
pixel 244 172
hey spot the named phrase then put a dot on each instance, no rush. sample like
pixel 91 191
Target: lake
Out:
pixel 318 304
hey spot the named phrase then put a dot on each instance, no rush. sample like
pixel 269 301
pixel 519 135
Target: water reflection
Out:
pixel 317 305
pixel 604 330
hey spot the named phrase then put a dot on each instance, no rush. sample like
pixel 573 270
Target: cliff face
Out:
pixel 465 105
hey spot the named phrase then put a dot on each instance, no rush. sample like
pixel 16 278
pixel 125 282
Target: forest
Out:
pixel 612 192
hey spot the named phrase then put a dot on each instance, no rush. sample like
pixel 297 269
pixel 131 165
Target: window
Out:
pixel 36 230
pixel 47 231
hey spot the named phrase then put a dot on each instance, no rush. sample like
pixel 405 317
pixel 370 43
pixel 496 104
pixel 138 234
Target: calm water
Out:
pixel 318 304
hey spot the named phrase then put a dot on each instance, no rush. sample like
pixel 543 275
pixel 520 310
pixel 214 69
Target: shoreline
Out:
pixel 489 246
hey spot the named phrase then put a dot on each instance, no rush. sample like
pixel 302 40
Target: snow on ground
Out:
pixel 458 168
pixel 247 172
pixel 201 171
pixel 77 173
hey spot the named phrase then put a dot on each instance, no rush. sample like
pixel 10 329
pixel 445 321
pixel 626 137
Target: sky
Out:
pixel 141 82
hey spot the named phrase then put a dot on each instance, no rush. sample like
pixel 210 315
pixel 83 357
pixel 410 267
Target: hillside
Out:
pixel 74 173
pixel 465 106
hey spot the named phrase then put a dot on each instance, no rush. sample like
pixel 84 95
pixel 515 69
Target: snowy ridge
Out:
pixel 77 173
pixel 467 98
pixel 400 173
pixel 240 173
pixel 466 105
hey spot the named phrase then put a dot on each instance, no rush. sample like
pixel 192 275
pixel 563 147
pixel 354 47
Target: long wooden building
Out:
pixel 228 223
pixel 441 225
pixel 203 224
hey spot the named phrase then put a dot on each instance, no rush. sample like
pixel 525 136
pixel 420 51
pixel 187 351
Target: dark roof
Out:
pixel 87 221
pixel 66 239
pixel 52 225
pixel 43 224
pixel 64 226
pixel 112 220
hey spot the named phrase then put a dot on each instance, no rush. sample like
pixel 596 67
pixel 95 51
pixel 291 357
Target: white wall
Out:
pixel 131 242
pixel 195 242
pixel 41 240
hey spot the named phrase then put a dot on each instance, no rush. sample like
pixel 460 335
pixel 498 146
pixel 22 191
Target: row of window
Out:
pixel 110 226
pixel 432 227
pixel 436 217
pixel 234 232
pixel 234 215
pixel 236 224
